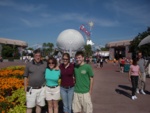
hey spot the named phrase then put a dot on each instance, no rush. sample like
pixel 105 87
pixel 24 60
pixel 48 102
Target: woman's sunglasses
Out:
pixel 65 59
pixel 51 63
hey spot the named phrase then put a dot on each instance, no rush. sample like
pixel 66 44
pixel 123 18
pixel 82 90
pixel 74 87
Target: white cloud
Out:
pixel 80 18
pixel 135 11
pixel 31 23
pixel 22 7
pixel 26 22
pixel 75 17
pixel 30 7
pixel 106 22
pixel 42 18
pixel 6 3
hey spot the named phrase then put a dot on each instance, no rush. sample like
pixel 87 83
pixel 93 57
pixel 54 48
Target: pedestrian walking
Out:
pixel 122 63
pixel 101 62
pixel 142 80
pixel 98 62
pixel 134 73
pixel 114 61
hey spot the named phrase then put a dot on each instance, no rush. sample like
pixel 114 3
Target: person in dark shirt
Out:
pixel 67 82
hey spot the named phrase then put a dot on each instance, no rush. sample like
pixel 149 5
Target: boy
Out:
pixel 83 85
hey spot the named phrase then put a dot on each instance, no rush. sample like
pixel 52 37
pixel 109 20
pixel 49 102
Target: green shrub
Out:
pixel 18 99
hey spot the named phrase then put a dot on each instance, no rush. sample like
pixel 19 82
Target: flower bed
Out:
pixel 12 95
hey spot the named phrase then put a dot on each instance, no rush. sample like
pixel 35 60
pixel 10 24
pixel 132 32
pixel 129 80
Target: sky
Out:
pixel 41 21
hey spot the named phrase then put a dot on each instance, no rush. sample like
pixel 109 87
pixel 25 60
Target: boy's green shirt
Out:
pixel 83 74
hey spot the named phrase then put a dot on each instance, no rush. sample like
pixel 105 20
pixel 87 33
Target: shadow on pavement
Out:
pixel 125 87
pixel 147 76
pixel 122 92
pixel 129 88
pixel 147 92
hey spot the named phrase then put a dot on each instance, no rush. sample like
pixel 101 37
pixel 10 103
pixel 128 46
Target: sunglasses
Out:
pixel 65 59
pixel 51 63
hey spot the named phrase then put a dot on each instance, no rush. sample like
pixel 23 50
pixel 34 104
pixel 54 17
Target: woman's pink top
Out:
pixel 134 70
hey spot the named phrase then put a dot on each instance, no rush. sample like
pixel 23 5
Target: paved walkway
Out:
pixel 6 64
pixel 112 91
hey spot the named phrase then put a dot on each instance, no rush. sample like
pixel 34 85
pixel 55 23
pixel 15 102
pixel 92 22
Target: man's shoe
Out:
pixel 143 92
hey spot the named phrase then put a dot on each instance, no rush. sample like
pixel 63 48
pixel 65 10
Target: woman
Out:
pixel 134 73
pixel 67 82
pixel 52 89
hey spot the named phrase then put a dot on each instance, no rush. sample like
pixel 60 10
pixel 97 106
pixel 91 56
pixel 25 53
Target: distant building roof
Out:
pixel 118 43
pixel 13 42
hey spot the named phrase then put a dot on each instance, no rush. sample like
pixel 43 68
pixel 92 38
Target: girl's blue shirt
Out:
pixel 52 77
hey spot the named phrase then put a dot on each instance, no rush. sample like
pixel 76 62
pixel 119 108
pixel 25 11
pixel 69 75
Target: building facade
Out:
pixel 119 49
pixel 20 44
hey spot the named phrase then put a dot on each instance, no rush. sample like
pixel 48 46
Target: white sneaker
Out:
pixel 133 98
pixel 143 92
pixel 137 91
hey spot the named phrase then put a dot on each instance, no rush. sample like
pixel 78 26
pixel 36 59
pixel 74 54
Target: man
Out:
pixel 83 85
pixel 34 80
pixel 142 80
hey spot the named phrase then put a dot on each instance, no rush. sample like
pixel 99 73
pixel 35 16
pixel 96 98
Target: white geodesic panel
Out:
pixel 70 39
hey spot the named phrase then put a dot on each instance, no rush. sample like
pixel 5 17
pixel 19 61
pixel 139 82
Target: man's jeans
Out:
pixel 67 97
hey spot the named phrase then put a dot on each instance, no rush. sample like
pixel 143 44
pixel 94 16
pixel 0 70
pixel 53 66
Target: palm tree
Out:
pixel 88 50
pixel 47 48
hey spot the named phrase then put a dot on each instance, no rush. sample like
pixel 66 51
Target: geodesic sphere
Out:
pixel 70 39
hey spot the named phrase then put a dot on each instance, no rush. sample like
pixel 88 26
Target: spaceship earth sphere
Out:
pixel 70 39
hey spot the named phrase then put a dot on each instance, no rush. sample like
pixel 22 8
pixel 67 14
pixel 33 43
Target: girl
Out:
pixel 134 73
pixel 67 83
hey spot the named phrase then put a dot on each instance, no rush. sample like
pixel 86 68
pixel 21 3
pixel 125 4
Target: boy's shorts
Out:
pixel 82 101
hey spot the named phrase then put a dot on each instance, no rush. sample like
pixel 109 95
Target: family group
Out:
pixel 50 82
